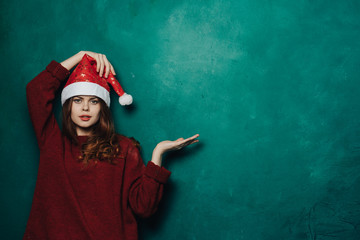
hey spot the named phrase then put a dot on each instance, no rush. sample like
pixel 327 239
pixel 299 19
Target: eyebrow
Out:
pixel 92 98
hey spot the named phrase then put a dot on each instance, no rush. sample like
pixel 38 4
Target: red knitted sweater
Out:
pixel 98 202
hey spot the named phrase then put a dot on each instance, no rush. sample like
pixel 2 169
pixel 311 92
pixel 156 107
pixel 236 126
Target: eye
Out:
pixel 94 101
pixel 77 100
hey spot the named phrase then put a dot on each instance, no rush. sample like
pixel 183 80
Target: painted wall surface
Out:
pixel 272 87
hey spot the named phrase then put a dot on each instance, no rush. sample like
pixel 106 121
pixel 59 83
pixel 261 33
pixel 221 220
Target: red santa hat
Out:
pixel 84 80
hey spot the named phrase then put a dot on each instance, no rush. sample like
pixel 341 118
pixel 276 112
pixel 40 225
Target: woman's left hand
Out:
pixel 178 144
pixel 167 145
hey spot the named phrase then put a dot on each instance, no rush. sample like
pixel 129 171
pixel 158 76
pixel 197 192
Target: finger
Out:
pixel 196 135
pixel 179 139
pixel 195 141
pixel 97 62
pixel 185 145
pixel 191 138
pixel 191 142
pixel 112 69
pixel 188 142
pixel 107 65
pixel 101 65
pixel 178 145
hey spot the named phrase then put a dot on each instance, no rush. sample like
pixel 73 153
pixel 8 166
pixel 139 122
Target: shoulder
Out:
pixel 130 149
pixel 128 142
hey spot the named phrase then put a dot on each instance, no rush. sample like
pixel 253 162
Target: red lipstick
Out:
pixel 85 117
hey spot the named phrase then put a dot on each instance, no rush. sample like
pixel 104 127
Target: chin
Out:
pixel 85 127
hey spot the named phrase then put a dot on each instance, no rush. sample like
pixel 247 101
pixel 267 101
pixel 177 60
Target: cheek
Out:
pixel 97 113
pixel 73 112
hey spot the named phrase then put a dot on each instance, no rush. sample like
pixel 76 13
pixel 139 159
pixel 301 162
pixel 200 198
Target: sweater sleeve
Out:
pixel 40 93
pixel 147 189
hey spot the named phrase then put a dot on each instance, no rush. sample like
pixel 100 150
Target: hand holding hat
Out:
pixel 103 66
pixel 86 81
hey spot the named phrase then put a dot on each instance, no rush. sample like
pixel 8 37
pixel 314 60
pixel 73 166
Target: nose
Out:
pixel 86 106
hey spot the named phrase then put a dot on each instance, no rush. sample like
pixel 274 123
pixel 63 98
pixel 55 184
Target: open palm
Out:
pixel 178 144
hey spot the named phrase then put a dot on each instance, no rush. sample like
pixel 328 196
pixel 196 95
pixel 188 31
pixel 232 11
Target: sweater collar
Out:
pixel 82 139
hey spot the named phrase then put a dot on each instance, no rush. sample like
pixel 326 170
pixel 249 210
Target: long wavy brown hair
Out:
pixel 102 143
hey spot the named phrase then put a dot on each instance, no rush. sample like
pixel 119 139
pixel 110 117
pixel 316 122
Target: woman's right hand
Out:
pixel 102 63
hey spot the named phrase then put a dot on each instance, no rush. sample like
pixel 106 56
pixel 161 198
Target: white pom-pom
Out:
pixel 125 99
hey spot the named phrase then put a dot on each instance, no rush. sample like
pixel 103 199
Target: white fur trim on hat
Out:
pixel 125 99
pixel 85 88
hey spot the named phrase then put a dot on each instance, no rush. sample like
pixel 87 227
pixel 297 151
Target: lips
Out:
pixel 85 117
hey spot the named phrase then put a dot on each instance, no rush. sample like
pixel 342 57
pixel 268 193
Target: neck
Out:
pixel 83 131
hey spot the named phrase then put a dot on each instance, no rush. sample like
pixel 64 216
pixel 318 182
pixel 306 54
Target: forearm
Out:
pixel 145 183
pixel 40 93
pixel 157 157
pixel 72 61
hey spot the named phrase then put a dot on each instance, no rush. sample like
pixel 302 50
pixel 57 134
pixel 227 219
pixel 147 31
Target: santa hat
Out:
pixel 84 80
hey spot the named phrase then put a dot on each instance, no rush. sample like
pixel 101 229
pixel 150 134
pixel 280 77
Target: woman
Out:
pixel 91 181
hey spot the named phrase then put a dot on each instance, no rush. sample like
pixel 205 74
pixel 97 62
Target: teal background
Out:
pixel 272 87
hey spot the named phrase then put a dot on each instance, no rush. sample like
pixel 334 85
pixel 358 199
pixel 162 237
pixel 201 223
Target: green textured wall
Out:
pixel 271 86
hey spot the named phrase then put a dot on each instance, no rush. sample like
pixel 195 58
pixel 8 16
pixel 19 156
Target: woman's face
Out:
pixel 85 112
